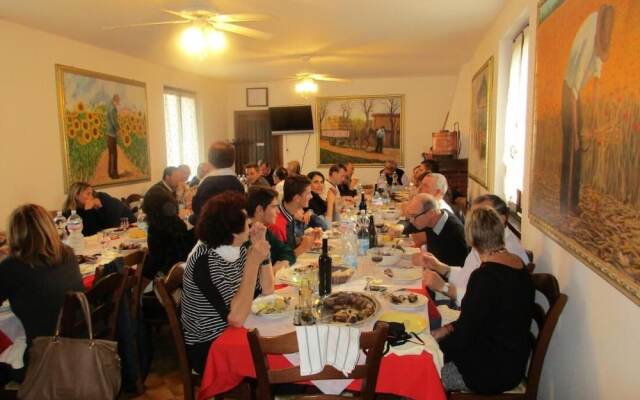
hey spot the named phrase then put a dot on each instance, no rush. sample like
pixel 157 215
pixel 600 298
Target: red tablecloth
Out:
pixel 230 361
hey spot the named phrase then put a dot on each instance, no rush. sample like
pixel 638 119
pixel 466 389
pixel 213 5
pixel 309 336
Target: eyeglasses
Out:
pixel 416 216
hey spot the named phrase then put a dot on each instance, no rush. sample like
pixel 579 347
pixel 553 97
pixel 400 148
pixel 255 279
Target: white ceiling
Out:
pixel 345 38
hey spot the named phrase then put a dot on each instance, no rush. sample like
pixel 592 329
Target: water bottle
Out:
pixel 141 219
pixel 394 182
pixel 60 222
pixel 363 233
pixel 350 258
pixel 74 227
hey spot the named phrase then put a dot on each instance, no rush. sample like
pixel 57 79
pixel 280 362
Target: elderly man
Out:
pixel 266 171
pixel 254 178
pixel 390 168
pixel 437 271
pixel 440 231
pixel 203 169
pixel 436 185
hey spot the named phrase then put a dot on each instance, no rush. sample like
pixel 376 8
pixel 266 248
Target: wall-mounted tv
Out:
pixel 294 119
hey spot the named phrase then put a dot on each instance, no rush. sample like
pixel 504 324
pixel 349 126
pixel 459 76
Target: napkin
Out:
pixel 430 346
pixel 320 345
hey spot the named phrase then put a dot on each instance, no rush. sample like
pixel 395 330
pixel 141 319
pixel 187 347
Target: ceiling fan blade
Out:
pixel 328 78
pixel 242 30
pixel 240 18
pixel 108 28
pixel 180 14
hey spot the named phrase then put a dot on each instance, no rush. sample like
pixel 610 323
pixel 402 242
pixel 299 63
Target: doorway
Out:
pixel 254 141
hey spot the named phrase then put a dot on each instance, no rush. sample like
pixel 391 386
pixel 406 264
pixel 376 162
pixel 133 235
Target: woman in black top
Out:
pixel 38 271
pixel 317 204
pixel 98 210
pixel 487 348
pixel 222 275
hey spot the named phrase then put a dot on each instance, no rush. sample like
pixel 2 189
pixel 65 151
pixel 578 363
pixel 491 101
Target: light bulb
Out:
pixel 216 40
pixel 307 85
pixel 193 40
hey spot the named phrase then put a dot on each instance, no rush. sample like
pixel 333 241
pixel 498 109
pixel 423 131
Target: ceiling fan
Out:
pixel 210 20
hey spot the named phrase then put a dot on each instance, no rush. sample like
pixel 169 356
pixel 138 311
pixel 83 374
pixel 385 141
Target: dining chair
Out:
pixel 545 324
pixel 135 261
pixel 154 312
pixel 371 342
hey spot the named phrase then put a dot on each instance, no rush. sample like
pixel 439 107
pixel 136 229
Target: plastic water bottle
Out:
pixel 74 227
pixel 363 233
pixel 60 222
pixel 141 219
pixel 351 247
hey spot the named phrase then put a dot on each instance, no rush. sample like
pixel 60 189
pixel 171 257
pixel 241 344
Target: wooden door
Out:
pixel 253 139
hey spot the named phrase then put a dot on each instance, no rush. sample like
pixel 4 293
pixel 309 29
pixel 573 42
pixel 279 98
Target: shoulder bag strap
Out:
pixel 202 280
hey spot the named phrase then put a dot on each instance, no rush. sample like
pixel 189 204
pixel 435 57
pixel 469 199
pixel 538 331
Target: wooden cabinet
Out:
pixel 455 170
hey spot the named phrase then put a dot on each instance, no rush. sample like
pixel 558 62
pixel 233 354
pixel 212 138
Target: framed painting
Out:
pixel 258 97
pixel 481 138
pixel 585 172
pixel 365 130
pixel 103 126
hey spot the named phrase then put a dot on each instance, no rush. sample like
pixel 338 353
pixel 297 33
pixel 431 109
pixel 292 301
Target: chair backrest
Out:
pixel 104 298
pixel 546 322
pixel 371 342
pixel 135 281
pixel 176 330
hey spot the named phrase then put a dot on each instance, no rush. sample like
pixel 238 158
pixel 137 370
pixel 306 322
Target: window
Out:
pixel 181 128
pixel 516 114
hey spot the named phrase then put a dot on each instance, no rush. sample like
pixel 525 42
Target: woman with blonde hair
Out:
pixel 98 210
pixel 38 271
pixel 487 348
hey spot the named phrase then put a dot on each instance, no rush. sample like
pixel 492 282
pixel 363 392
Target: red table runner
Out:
pixel 230 361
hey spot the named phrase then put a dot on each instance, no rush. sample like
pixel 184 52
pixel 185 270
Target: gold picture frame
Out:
pixel 101 116
pixel 365 130
pixel 481 138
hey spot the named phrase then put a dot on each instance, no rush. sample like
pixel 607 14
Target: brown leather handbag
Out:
pixel 64 368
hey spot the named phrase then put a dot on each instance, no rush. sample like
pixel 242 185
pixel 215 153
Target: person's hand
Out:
pixel 306 217
pixel 432 280
pixel 333 190
pixel 430 261
pixel 257 232
pixel 306 243
pixel 441 332
pixel 258 252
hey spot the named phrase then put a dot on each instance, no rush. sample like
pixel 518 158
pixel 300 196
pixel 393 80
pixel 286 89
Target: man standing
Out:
pixel 442 232
pixel 254 178
pixel 222 156
pixel 380 138
pixel 266 171
pixel 588 53
pixel 168 238
pixel 111 131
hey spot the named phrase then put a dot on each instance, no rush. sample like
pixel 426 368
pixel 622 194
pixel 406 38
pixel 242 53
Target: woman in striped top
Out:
pixel 222 274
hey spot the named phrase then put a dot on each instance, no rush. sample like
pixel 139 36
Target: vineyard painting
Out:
pixel 364 130
pixel 585 178
pixel 103 124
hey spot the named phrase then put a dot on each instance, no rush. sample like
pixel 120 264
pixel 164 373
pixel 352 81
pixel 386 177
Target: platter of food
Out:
pixel 406 300
pixel 349 308
pixel 272 306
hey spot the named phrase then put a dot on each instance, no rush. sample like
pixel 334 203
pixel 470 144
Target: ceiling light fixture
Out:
pixel 306 86
pixel 200 39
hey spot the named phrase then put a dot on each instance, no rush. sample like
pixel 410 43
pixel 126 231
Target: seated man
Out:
pixel 459 276
pixel 391 167
pixel 262 207
pixel 436 185
pixel 444 232
pixel 297 193
pixel 293 168
pixel 254 178
pixel 266 171
pixel 203 169
pixel 346 188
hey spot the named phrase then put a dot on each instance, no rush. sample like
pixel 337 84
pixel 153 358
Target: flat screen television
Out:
pixel 294 119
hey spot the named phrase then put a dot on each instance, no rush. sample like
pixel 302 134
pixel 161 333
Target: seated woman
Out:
pixel 487 348
pixel 38 271
pixel 315 214
pixel 98 210
pixel 279 176
pixel 222 275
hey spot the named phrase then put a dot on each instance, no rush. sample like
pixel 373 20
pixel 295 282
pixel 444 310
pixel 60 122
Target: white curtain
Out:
pixel 516 114
pixel 181 129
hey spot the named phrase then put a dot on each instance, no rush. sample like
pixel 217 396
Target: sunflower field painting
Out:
pixel 103 124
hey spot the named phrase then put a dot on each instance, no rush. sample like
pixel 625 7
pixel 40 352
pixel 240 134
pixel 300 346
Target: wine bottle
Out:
pixel 363 204
pixel 373 236
pixel 324 270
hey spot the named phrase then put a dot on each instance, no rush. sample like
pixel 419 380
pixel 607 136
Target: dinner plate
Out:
pixel 406 305
pixel 406 274
pixel 260 303
pixel 412 322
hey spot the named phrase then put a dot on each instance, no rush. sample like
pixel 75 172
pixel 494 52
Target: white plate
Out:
pixel 262 301
pixel 406 274
pixel 406 306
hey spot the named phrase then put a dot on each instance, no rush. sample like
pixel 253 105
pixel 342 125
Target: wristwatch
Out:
pixel 445 288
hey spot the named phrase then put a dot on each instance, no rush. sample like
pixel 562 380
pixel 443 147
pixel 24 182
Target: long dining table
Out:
pixel 414 374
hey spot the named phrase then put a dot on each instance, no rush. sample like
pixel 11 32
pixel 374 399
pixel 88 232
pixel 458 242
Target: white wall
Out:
pixel 31 150
pixel 426 103
pixel 594 353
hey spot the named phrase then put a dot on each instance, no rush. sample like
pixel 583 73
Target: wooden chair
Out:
pixel 189 380
pixel 545 323
pixel 372 342
pixel 135 261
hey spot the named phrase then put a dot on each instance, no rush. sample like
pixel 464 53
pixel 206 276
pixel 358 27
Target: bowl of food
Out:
pixel 340 275
pixel 385 256
pixel 391 214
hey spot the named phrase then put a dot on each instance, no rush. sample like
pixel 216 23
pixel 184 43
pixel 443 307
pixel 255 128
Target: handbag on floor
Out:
pixel 72 369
